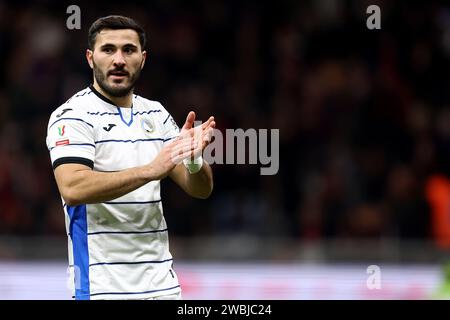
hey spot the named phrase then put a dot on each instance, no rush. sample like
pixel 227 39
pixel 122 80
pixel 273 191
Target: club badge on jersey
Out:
pixel 147 126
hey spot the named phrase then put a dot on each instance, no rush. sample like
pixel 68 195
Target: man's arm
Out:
pixel 78 184
pixel 197 185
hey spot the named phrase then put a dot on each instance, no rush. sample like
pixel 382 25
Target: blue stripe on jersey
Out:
pixel 146 112
pixel 103 113
pixel 165 140
pixel 132 141
pixel 98 113
pixel 78 231
pixel 142 292
pixel 166 119
pixel 80 95
pixel 76 119
pixel 134 202
pixel 125 232
pixel 74 144
pixel 137 262
pixel 123 120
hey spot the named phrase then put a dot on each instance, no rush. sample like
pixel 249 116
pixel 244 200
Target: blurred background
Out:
pixel 364 120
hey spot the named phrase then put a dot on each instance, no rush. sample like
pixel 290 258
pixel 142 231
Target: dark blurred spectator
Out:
pixel 438 195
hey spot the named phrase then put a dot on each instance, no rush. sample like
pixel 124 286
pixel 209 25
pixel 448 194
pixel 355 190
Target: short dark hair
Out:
pixel 115 22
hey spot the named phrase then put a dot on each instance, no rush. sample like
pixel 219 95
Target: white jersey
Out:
pixel 118 249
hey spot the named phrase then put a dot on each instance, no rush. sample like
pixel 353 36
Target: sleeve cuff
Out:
pixel 78 160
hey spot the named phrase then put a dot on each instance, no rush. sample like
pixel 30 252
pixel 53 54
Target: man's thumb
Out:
pixel 189 120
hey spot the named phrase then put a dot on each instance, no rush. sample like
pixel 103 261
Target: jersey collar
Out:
pixel 98 94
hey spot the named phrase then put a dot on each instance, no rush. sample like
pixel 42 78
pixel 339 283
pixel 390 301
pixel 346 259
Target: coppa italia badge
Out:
pixel 61 132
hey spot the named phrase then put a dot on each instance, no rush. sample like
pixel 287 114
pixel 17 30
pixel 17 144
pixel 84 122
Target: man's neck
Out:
pixel 124 102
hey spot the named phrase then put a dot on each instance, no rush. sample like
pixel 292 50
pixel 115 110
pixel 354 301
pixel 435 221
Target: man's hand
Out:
pixel 189 144
pixel 171 155
pixel 198 184
pixel 202 135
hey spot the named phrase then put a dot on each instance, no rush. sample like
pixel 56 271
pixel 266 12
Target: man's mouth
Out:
pixel 118 74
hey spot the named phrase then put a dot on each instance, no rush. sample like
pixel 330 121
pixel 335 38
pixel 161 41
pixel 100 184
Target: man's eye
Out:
pixel 128 50
pixel 107 50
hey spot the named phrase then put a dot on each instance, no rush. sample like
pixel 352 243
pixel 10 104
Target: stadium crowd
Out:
pixel 364 115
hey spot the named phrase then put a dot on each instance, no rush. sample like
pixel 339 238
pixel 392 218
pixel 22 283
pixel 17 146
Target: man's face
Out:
pixel 117 60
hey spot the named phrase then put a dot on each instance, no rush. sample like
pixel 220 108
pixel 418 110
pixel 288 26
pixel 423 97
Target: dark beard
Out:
pixel 115 92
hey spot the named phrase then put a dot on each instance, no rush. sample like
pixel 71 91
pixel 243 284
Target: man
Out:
pixel 109 149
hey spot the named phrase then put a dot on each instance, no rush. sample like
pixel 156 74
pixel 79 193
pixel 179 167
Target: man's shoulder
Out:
pixel 152 107
pixel 75 106
pixel 78 100
pixel 147 103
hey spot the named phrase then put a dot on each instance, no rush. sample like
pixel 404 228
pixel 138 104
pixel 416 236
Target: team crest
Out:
pixel 147 126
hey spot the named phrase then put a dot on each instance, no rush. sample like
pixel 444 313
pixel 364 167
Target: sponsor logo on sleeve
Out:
pixel 61 142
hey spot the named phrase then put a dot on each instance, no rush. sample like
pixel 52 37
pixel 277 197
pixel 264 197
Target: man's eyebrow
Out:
pixel 130 45
pixel 107 45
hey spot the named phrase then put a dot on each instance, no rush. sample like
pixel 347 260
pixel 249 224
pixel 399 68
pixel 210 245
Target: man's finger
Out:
pixel 207 122
pixel 189 123
pixel 208 135
pixel 183 149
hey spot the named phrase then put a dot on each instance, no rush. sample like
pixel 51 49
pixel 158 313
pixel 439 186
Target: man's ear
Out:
pixel 89 58
pixel 144 57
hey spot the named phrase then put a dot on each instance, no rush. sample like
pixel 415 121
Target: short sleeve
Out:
pixel 70 137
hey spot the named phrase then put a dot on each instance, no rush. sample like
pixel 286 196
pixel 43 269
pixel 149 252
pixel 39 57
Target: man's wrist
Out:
pixel 194 165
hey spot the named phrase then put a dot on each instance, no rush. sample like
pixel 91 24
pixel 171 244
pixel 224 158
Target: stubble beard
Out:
pixel 101 79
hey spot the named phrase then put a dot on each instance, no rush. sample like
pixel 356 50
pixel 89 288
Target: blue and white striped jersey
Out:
pixel 117 249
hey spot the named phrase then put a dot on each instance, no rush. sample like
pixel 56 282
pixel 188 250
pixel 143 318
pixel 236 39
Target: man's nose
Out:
pixel 118 58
